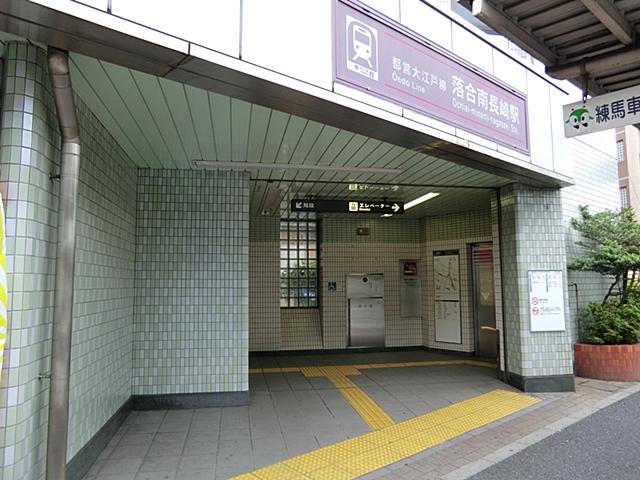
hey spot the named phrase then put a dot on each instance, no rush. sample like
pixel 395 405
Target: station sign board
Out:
pixel 603 112
pixel 546 301
pixel 347 206
pixel 383 58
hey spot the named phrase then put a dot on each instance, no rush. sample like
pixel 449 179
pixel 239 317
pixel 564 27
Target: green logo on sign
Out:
pixel 579 118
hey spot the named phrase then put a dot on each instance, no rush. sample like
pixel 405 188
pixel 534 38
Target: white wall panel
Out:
pixel 367 98
pixel 214 25
pixel 100 4
pixel 562 161
pixel 509 71
pixel 478 140
pixel 539 121
pixel 390 8
pixel 426 21
pixel 471 48
pixel 290 37
pixel 431 122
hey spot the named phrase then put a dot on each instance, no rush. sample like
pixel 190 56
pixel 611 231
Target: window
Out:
pixel 620 150
pixel 624 197
pixel 299 261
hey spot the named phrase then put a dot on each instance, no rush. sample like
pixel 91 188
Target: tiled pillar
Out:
pixel 533 238
pixel 29 153
pixel 102 338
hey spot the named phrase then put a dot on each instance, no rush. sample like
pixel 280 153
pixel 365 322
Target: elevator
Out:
pixel 365 303
pixel 484 305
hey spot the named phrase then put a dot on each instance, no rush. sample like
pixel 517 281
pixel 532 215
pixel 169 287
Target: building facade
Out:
pixel 628 153
pixel 196 137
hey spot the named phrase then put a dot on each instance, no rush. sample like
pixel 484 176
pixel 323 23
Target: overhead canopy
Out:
pixel 166 124
pixel 573 38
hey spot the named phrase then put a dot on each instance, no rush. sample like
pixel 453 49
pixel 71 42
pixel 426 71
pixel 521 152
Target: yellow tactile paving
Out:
pixel 246 476
pixel 317 458
pixel 369 452
pixel 330 473
pixel 355 369
pixel 370 412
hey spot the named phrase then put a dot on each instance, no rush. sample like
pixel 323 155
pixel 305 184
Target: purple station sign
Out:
pixel 384 60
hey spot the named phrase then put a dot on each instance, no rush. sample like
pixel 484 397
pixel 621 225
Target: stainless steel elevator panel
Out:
pixel 365 302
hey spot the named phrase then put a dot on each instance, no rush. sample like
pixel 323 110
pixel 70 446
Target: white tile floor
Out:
pixel 288 415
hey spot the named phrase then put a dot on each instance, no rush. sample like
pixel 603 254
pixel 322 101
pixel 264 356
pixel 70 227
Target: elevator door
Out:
pixel 365 297
pixel 484 301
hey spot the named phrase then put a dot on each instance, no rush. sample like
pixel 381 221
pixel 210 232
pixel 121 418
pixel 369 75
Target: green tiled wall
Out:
pixel 533 238
pixel 101 356
pixel 103 308
pixel 265 332
pixel 343 251
pixel 191 313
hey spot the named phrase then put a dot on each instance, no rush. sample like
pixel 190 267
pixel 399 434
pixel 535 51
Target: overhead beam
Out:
pixel 612 18
pixel 486 12
pixel 595 66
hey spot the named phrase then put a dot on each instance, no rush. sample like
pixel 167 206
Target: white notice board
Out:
pixel 448 322
pixel 446 285
pixel 446 275
pixel 546 301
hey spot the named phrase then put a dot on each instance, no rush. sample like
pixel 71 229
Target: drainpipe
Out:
pixel 504 319
pixel 63 307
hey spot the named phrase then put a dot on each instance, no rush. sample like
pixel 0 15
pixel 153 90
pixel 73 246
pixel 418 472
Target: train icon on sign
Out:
pixel 362 48
pixel 362 44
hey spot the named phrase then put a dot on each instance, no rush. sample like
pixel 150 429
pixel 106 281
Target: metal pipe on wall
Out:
pixel 65 260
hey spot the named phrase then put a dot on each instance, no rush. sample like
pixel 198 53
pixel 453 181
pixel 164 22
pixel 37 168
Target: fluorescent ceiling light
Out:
pixel 419 200
pixel 212 164
pixel 386 215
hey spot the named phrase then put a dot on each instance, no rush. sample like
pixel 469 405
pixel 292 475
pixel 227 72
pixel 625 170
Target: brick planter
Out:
pixel 608 362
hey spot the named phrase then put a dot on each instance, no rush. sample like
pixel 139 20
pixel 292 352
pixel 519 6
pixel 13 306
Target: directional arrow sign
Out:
pixel 347 206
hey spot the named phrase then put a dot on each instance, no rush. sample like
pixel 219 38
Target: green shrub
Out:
pixel 612 323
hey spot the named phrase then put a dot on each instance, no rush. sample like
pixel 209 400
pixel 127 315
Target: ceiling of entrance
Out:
pixel 165 124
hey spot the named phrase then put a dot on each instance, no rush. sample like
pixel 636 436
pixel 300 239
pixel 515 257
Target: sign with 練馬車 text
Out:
pixel 603 112
pixel 387 207
pixel 546 300
pixel 383 58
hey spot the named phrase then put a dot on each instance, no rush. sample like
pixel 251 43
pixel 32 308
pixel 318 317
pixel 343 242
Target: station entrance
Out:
pixel 319 280
pixel 342 281
pixel 196 270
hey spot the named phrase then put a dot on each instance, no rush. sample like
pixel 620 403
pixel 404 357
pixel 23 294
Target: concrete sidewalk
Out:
pixel 475 451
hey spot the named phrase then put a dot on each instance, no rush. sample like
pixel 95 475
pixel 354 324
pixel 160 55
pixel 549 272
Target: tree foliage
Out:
pixel 610 246
pixel 611 323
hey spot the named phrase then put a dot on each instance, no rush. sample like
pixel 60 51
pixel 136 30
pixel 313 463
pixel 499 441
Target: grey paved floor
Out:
pixel 604 446
pixel 288 415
